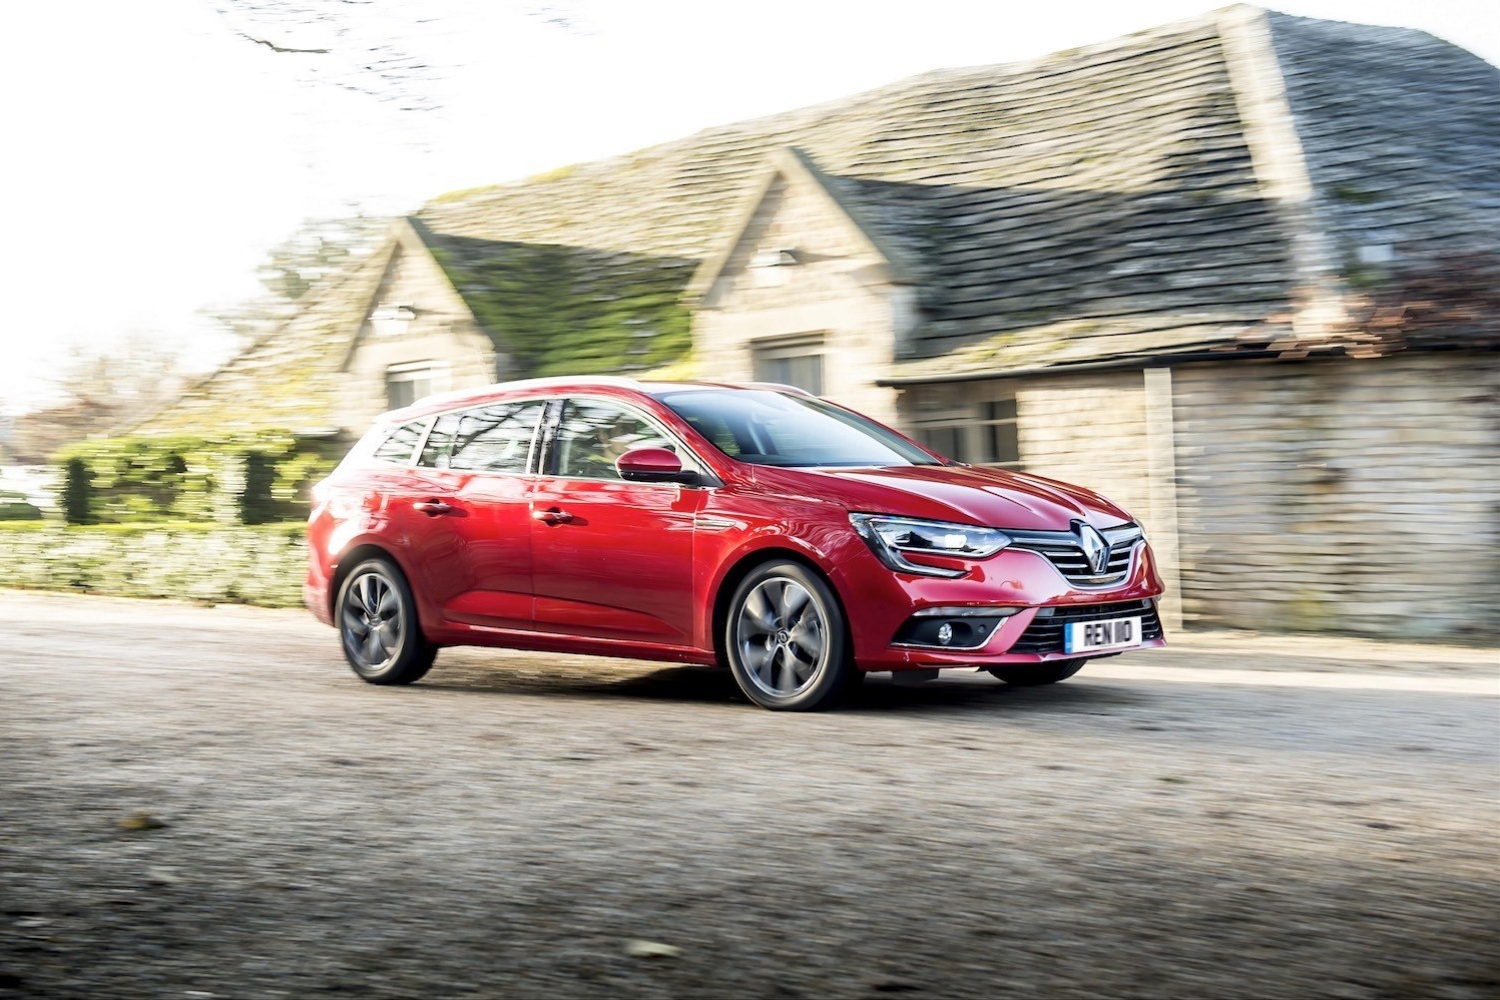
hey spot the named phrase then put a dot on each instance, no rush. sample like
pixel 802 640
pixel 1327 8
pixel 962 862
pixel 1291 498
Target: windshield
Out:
pixel 775 428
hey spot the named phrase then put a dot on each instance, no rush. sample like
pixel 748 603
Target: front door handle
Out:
pixel 434 508
pixel 552 516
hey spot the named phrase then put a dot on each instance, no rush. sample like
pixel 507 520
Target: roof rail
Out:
pixel 479 391
pixel 617 381
pixel 778 386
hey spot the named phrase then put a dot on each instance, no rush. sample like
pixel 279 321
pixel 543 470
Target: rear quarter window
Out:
pixel 401 444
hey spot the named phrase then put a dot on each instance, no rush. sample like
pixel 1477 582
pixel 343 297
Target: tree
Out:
pixel 318 248
pixel 384 49
pixel 376 49
pixel 100 392
pixel 77 498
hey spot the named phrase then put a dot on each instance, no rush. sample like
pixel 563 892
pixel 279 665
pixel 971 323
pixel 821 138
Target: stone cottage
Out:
pixel 1238 272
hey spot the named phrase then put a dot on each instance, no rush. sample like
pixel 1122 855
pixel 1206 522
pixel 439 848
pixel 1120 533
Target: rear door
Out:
pixel 475 547
pixel 612 559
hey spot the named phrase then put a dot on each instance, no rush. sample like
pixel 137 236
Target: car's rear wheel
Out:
pixel 1037 674
pixel 377 621
pixel 784 639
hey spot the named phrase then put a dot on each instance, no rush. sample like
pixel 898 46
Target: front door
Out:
pixel 611 559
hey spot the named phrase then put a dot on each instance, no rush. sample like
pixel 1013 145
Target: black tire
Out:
pixel 1037 674
pixel 787 653
pixel 378 629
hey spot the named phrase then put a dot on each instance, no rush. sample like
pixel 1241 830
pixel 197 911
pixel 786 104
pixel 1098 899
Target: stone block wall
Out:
pixel 837 290
pixel 442 332
pixel 1350 496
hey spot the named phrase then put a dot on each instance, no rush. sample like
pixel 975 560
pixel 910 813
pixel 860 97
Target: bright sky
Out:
pixel 152 156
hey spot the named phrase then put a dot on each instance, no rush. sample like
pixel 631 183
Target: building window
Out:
pixel 405 384
pixel 982 432
pixel 794 361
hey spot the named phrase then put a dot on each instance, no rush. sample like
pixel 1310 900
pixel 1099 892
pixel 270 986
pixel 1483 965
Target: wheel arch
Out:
pixel 352 558
pixel 737 572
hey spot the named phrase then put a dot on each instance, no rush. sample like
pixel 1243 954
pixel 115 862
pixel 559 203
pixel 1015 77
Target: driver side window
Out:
pixel 592 435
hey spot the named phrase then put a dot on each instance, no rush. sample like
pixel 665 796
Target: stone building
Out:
pixel 1238 272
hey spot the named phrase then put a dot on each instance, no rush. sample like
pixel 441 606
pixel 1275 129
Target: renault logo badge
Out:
pixel 1095 548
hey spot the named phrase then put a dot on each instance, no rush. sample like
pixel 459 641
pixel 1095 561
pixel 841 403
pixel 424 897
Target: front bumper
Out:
pixel 885 602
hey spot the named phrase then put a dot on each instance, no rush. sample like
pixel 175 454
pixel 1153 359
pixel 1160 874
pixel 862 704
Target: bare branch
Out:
pixel 278 48
pixel 374 50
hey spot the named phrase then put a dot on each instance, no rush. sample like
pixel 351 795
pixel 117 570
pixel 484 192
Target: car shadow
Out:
pixel 712 685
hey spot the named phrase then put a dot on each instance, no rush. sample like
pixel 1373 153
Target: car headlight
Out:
pixel 891 537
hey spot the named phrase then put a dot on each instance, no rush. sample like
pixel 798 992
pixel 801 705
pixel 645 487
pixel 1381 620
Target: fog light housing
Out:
pixel 952 627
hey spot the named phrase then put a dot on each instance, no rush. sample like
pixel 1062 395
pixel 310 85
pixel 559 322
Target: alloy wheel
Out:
pixel 372 622
pixel 781 635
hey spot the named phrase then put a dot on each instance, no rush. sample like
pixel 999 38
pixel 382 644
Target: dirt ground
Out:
pixel 1226 818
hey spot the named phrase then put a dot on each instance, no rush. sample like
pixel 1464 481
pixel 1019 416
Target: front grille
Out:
pixel 1045 633
pixel 1063 550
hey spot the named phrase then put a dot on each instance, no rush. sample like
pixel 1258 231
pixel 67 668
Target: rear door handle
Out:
pixel 434 508
pixel 552 516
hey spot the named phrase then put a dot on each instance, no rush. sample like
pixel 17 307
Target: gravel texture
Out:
pixel 205 802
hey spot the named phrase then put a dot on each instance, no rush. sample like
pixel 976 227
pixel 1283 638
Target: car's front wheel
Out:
pixel 1037 674
pixel 377 620
pixel 784 639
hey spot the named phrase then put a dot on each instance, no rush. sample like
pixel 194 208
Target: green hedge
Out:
pixel 195 561
pixel 15 507
pixel 250 479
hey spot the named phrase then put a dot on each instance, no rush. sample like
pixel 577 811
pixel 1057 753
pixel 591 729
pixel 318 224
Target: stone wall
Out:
pixel 1092 429
pixel 442 331
pixel 838 289
pixel 1344 496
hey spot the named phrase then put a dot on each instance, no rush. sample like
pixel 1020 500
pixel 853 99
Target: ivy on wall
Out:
pixel 567 311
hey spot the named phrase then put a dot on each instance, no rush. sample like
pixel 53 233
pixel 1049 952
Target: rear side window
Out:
pixel 493 438
pixel 440 442
pixel 402 442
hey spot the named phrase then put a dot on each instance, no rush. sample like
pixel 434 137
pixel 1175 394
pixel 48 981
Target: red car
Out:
pixel 758 527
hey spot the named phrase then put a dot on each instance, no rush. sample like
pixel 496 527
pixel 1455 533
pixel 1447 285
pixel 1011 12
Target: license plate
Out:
pixel 1113 633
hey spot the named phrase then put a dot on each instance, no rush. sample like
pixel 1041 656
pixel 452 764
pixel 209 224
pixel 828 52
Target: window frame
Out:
pixel 436 373
pixel 531 448
pixel 790 348
pixel 969 418
pixel 392 431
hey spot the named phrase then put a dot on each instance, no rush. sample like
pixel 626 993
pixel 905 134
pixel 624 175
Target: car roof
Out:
pixel 441 402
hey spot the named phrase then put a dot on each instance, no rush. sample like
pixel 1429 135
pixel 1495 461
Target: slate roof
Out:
pixel 287 379
pixel 1102 202
pixel 1104 182
pixel 1105 203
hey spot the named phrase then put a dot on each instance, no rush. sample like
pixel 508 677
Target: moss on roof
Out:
pixel 559 310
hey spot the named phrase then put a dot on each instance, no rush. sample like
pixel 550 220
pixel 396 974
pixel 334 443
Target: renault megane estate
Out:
pixel 758 527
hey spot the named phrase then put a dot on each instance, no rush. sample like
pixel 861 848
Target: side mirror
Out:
pixel 653 465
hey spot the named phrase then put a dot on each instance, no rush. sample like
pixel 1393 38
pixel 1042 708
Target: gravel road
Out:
pixel 1209 821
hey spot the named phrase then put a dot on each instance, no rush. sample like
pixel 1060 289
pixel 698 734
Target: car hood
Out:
pixel 991 497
